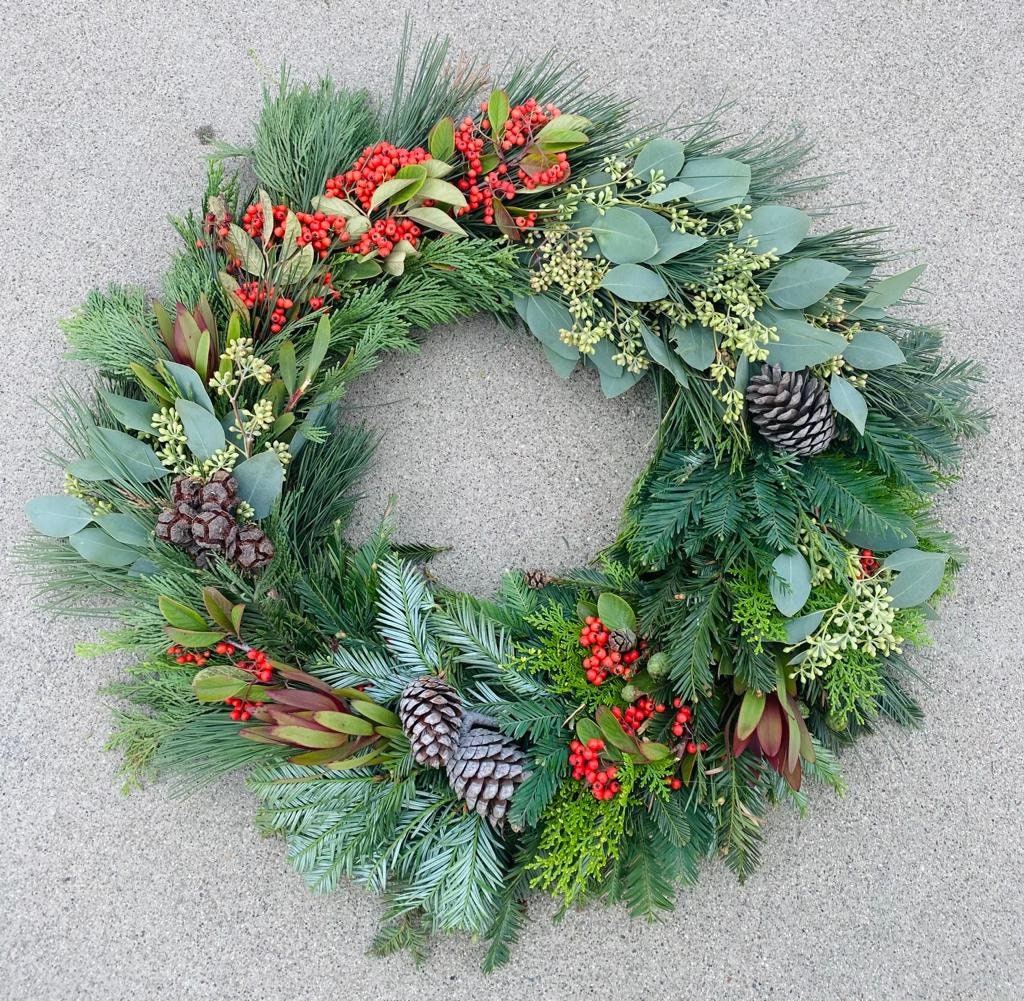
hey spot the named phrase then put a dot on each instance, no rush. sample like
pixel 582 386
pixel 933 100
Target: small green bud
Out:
pixel 657 666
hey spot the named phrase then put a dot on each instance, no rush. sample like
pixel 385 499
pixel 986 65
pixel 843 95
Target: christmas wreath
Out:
pixel 589 733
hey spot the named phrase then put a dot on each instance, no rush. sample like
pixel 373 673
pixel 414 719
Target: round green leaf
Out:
pixel 58 516
pixel 125 456
pixel 717 181
pixel 870 350
pixel 260 480
pixel 663 155
pixel 124 528
pixel 800 344
pixel 635 283
pixel 615 612
pixel 695 344
pixel 801 283
pixel 777 228
pixel 918 576
pixel 134 414
pixel 624 237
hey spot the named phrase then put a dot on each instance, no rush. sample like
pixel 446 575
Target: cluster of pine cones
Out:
pixel 201 521
pixel 483 766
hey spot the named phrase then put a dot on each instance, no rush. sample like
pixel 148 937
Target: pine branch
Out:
pixel 404 600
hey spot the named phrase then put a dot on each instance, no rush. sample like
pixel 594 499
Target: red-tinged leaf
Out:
pixel 258 734
pixel 769 729
pixel 345 723
pixel 740 744
pixel 300 698
pixel 792 746
pixel 751 710
pixel 218 607
pixel 352 694
pixel 302 736
pixel 806 744
pixel 504 221
pixel 794 776
pixel 294 674
pixel 282 717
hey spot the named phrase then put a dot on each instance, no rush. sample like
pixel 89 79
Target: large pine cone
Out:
pixel 174 525
pixel 486 768
pixel 249 548
pixel 213 528
pixel 431 713
pixel 220 491
pixel 791 410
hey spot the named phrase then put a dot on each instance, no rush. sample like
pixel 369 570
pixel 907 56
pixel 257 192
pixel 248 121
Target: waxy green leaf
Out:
pixel 58 516
pixel 801 283
pixel 790 582
pixel 635 283
pixel 777 228
pixel 848 400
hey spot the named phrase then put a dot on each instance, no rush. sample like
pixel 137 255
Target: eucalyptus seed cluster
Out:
pixel 559 262
pixel 73 488
pixel 862 622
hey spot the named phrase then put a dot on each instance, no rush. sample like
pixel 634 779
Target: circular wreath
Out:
pixel 591 733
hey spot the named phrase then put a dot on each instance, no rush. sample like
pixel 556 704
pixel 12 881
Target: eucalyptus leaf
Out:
pixel 260 480
pixel 664 155
pixel 717 181
pixel 94 545
pixel 777 228
pixel 790 583
pixel 124 528
pixel 564 367
pixel 674 192
pixel 635 283
pixel 190 386
pixel 870 350
pixel 137 415
pixel 866 535
pixel 203 431
pixel 547 318
pixel 848 400
pixel 800 344
pixel 124 455
pixel 624 237
pixel 89 470
pixel 799 629
pixel 695 344
pixel 918 576
pixel 58 515
pixel 664 355
pixel 801 283
pixel 890 290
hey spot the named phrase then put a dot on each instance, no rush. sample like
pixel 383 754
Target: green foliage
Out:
pixel 113 329
pixel 754 611
pixel 852 683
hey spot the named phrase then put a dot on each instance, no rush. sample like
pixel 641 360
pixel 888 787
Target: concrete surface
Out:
pixel 910 887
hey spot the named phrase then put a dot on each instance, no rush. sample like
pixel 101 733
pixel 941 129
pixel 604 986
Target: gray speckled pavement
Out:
pixel 909 888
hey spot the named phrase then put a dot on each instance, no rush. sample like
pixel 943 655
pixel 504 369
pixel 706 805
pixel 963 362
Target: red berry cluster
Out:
pixel 252 221
pixel 377 164
pixel 384 234
pixel 868 564
pixel 682 721
pixel 602 661
pixel 182 656
pixel 321 230
pixel 637 714
pixel 585 761
pixel 523 120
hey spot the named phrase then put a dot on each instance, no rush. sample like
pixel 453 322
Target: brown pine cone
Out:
pixel 220 491
pixel 174 525
pixel 486 768
pixel 431 711
pixel 536 579
pixel 249 548
pixel 622 641
pixel 185 490
pixel 213 528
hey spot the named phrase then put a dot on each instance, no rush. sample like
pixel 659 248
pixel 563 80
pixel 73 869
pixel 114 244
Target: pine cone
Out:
pixel 486 768
pixel 622 640
pixel 174 525
pixel 185 490
pixel 431 713
pixel 536 579
pixel 220 491
pixel 249 548
pixel 213 528
pixel 791 410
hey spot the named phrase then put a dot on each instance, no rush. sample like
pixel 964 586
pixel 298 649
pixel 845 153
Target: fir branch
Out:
pixel 403 602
